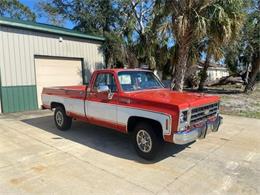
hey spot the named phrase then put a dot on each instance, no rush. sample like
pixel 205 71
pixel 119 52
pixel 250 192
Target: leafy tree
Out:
pixel 192 21
pixel 243 54
pixel 15 9
pixel 98 17
pixel 130 27
pixel 188 24
pixel 92 16
pixel 252 36
pixel 224 20
pixel 139 30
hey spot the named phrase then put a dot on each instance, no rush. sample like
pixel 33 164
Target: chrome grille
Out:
pixel 203 112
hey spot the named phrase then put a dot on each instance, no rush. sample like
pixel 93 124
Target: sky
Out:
pixel 32 4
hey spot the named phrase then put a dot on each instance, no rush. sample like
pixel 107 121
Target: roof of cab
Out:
pixel 123 69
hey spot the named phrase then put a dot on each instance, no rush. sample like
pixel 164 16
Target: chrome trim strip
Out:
pixel 186 137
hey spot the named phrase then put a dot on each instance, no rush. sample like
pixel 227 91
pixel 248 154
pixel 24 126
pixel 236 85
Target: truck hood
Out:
pixel 179 99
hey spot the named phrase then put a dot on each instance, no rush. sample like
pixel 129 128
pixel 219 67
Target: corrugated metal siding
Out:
pixel 19 98
pixel 18 47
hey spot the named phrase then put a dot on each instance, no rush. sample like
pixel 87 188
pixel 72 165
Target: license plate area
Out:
pixel 203 132
pixel 210 126
pixel 206 130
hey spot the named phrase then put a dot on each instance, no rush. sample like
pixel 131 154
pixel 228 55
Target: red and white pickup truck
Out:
pixel 135 101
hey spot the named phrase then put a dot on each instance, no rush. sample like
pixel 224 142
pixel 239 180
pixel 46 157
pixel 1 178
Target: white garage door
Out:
pixel 57 72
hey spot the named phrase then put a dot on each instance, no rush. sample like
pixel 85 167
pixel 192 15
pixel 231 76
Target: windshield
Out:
pixel 138 80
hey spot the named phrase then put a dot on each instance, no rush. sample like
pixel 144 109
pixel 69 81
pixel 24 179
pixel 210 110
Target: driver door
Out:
pixel 102 105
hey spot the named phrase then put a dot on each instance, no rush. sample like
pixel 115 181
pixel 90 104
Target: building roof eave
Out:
pixel 4 21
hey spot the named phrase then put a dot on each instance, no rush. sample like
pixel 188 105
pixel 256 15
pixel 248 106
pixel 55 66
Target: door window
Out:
pixel 105 79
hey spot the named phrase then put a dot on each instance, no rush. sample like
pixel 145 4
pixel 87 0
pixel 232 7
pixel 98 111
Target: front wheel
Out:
pixel 146 142
pixel 62 121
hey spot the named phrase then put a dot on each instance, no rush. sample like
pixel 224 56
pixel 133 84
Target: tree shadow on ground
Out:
pixel 101 139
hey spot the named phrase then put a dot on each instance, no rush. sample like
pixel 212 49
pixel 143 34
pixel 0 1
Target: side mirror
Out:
pixel 103 88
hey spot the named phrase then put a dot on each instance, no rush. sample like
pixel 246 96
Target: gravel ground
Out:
pixel 235 102
pixel 241 104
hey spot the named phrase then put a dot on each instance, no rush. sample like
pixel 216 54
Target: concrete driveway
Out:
pixel 36 158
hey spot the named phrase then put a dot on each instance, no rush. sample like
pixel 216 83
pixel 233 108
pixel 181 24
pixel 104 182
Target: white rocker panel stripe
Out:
pixel 71 104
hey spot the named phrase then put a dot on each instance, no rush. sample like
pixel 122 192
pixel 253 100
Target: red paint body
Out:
pixel 155 100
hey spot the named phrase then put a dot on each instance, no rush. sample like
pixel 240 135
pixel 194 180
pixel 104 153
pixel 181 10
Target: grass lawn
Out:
pixel 235 102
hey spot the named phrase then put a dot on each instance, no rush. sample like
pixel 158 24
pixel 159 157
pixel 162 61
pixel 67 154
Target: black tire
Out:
pixel 156 140
pixel 65 121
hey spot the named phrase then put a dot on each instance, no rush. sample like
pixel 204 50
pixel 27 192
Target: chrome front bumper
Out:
pixel 187 136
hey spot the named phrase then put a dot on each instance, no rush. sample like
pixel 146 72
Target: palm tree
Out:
pixel 225 19
pixel 188 24
pixel 191 22
pixel 252 29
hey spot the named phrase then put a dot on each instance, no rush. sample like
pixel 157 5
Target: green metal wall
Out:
pixel 19 98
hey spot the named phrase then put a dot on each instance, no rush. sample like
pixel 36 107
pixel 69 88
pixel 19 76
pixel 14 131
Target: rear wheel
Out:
pixel 147 142
pixel 62 121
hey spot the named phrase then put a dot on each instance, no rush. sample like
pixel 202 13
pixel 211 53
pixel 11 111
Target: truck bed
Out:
pixel 78 92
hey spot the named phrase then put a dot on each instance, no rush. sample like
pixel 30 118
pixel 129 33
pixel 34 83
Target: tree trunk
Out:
pixel 225 80
pixel 253 74
pixel 179 73
pixel 203 73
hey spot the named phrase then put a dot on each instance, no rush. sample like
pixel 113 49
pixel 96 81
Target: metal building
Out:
pixel 34 55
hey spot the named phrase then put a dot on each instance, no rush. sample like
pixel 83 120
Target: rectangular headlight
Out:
pixel 184 116
pixel 183 120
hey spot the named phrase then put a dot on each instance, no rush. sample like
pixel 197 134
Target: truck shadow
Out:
pixel 101 139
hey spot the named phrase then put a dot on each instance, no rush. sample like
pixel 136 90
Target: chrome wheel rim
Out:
pixel 59 118
pixel 144 141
